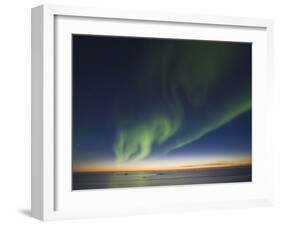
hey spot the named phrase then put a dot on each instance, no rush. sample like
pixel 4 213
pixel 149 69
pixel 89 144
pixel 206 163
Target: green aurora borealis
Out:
pixel 185 73
pixel 146 96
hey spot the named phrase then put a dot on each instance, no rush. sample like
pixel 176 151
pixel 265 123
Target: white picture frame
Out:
pixel 52 197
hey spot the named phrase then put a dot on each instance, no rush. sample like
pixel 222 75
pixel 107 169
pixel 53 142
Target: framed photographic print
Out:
pixel 137 112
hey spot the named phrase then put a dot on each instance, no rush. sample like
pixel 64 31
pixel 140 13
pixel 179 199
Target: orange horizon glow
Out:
pixel 81 168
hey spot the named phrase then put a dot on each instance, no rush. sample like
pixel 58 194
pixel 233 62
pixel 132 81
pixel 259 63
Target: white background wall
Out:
pixel 15 112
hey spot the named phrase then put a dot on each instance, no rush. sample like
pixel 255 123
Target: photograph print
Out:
pixel 160 112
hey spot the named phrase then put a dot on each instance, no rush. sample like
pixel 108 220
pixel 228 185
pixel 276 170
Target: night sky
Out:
pixel 160 100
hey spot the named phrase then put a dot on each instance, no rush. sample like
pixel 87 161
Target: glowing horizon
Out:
pixel 154 166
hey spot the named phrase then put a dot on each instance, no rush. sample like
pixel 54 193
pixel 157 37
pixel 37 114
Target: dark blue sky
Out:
pixel 232 138
pixel 139 99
